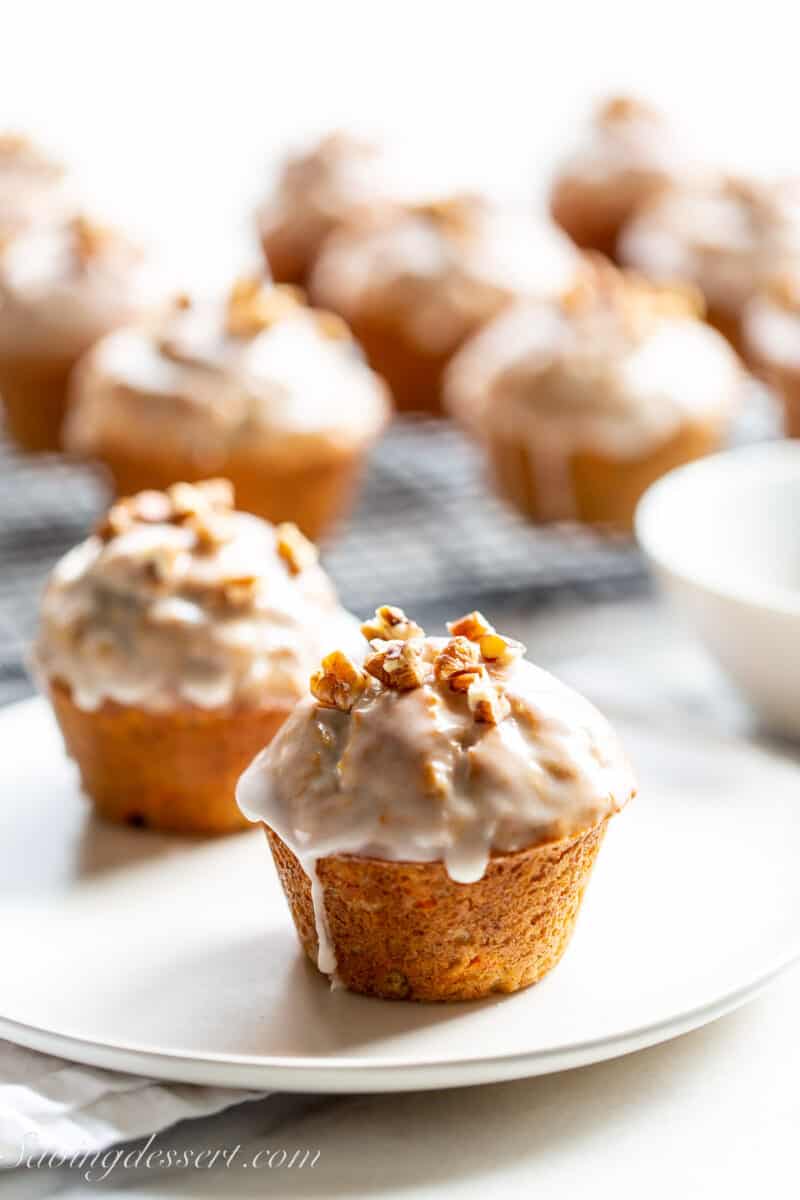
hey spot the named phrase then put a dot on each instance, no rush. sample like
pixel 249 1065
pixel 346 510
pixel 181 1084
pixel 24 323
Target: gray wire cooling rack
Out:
pixel 426 530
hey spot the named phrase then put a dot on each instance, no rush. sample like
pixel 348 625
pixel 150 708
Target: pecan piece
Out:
pixel 458 664
pixel 390 624
pixel 499 651
pixel 472 626
pixel 295 549
pixel 338 683
pixel 254 305
pixel 397 664
pixel 487 702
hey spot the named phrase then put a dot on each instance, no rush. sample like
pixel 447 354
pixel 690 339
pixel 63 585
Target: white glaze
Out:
pixel 727 236
pixel 33 187
pixel 55 302
pixel 289 389
pixel 440 282
pixel 142 620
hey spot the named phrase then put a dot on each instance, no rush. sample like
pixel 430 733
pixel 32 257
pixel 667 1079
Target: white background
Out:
pixel 173 110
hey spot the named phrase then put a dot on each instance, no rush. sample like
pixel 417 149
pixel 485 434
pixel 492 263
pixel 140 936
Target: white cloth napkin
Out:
pixel 55 1107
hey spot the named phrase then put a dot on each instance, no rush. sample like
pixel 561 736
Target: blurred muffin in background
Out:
pixel 173 643
pixel 338 180
pixel 771 329
pixel 628 155
pixel 61 288
pixel 258 387
pixel 582 404
pixel 416 287
pixel 34 189
pixel 726 235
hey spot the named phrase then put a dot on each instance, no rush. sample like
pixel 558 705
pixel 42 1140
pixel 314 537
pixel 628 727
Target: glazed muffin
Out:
pixel 61 288
pixel 582 404
pixel 416 287
pixel 727 236
pixel 630 153
pixel 173 643
pixel 259 388
pixel 434 817
pixel 339 180
pixel 771 327
pixel 34 189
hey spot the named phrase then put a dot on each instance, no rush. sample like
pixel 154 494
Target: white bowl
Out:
pixel 723 536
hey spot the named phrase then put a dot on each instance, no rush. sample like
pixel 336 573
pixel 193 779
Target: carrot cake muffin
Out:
pixel 727 236
pixel 630 153
pixel 61 288
pixel 33 187
pixel 434 816
pixel 771 326
pixel 583 404
pixel 338 180
pixel 258 387
pixel 173 643
pixel 416 287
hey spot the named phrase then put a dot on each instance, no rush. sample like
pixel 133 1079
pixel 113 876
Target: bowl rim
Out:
pixel 726 466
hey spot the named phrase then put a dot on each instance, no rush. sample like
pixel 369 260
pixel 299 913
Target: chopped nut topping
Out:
pixel 455 215
pixel 254 304
pixel 203 507
pixel 239 591
pixel 500 651
pixel 473 626
pixel 338 683
pixel 563 772
pixel 487 703
pixel 458 664
pixel 391 624
pixel 784 290
pixel 397 664
pixel 331 325
pixel 625 108
pixel 90 240
pixel 183 302
pixel 638 301
pixel 295 549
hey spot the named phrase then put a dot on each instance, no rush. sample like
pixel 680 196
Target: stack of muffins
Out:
pixel 433 805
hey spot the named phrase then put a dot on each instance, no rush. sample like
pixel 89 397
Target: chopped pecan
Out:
pixel 90 240
pixel 295 549
pixel 338 683
pixel 239 591
pixel 397 664
pixel 473 626
pixel 487 702
pixel 254 304
pixel 391 624
pixel 499 651
pixel 458 664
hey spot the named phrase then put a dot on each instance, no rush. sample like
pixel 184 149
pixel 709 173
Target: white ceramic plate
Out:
pixel 177 958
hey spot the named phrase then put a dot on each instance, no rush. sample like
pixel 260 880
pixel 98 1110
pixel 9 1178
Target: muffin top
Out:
pixel 33 186
pixel 259 372
pixel 178 599
pixel 439 270
pixel 726 235
pixel 340 178
pixel 438 749
pixel 63 286
pixel 628 143
pixel 617 366
pixel 772 322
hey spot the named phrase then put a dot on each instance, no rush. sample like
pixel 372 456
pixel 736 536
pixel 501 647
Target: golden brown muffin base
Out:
pixel 174 771
pixel 313 496
pixel 34 395
pixel 413 375
pixel 730 326
pixel 406 931
pixel 602 490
